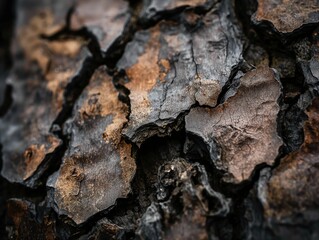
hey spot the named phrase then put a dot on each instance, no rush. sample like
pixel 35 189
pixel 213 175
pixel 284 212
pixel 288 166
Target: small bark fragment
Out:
pixel 288 15
pixel 242 132
pixel 96 149
pixel 105 19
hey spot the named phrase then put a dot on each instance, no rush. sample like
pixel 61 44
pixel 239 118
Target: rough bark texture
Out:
pixel 149 119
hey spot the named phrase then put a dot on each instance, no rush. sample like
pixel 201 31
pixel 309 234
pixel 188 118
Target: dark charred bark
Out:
pixel 149 119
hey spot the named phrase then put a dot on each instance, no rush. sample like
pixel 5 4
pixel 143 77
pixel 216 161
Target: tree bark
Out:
pixel 194 119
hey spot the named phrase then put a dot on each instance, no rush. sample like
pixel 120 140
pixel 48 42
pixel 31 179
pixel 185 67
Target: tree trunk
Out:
pixel 159 119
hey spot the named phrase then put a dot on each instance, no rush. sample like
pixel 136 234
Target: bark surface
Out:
pixel 149 119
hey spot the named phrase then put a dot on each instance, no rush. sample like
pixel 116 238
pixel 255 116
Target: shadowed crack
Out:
pixel 7 100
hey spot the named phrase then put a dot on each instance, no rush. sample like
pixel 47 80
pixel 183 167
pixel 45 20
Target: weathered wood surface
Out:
pixel 175 119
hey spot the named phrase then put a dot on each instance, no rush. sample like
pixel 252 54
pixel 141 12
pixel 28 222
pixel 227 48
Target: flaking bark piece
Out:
pixel 40 73
pixel 169 68
pixel 153 9
pixel 242 132
pixel 104 229
pixel 287 16
pixel 105 19
pixel 184 200
pixel 97 167
pixel 293 187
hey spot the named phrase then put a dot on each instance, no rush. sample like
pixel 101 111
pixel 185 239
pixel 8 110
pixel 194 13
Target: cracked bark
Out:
pixel 193 119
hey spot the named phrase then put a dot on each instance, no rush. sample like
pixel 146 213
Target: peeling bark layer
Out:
pixel 169 68
pixel 95 149
pixel 241 133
